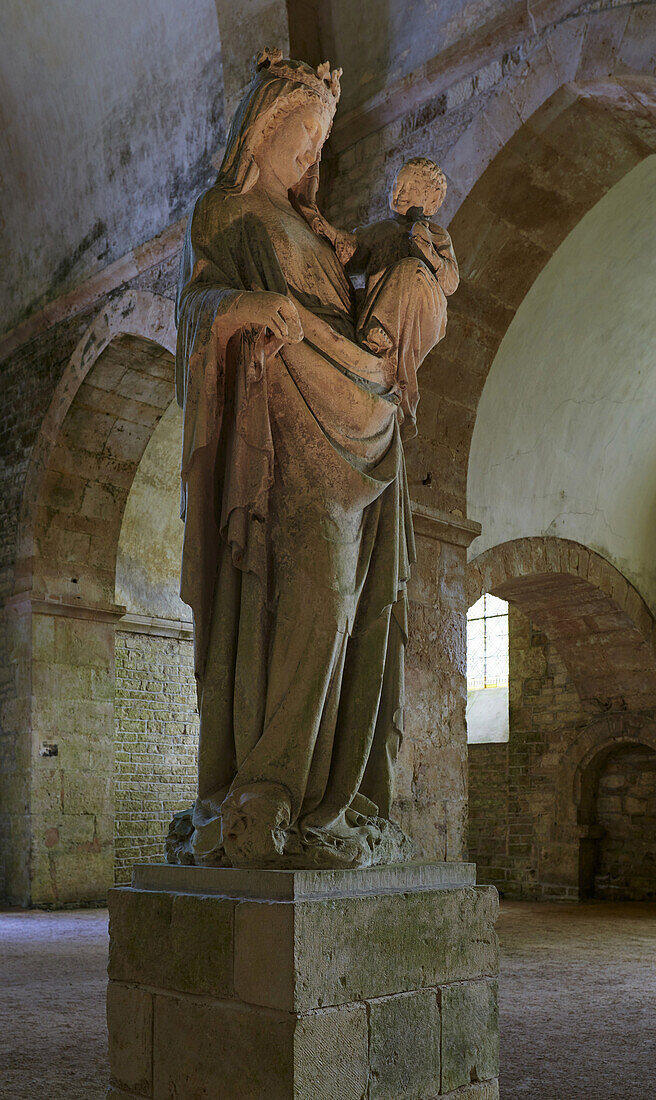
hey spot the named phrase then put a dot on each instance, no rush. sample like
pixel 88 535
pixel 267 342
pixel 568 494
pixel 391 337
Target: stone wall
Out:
pixel 626 812
pixel 156 744
pixel 512 786
pixel 543 828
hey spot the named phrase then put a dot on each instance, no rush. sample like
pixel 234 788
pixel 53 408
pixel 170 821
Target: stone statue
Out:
pixel 298 532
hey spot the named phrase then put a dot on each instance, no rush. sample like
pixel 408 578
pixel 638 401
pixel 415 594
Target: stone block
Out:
pixel 130 1025
pixel 331 1055
pixel 483 1090
pixel 470 1033
pixel 352 949
pixel 336 987
pixel 404 1046
pixel 120 1094
pixel 154 940
pixel 265 960
pixel 213 1050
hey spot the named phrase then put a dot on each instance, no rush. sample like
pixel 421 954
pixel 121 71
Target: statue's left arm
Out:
pixel 434 243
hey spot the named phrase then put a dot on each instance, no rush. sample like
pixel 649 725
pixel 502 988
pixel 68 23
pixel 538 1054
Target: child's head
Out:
pixel 419 184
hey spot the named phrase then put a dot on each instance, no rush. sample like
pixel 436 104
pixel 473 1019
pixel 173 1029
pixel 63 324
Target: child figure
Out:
pixel 417 193
pixel 410 268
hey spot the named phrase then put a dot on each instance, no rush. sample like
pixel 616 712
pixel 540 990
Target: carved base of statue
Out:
pixel 252 829
pixel 321 985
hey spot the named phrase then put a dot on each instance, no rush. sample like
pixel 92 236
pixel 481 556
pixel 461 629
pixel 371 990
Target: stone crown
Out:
pixel 324 82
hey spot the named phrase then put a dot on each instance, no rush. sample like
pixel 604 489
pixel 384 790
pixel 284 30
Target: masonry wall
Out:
pixel 156 744
pixel 626 812
pixel 512 786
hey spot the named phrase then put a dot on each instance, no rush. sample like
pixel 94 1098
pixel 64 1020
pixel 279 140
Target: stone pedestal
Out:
pixel 377 984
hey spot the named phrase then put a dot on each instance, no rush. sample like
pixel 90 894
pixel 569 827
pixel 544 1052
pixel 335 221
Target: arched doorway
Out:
pixel 618 818
pixel 575 649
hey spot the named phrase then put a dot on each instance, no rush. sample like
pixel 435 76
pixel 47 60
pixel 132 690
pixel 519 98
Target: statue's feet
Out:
pixel 251 828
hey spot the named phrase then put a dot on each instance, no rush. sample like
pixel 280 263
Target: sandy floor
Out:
pixel 577 993
pixel 578 1001
pixel 53 976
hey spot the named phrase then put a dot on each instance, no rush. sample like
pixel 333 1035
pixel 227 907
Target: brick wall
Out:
pixel 156 741
pixel 512 787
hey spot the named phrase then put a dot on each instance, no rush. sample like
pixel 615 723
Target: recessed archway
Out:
pixel 585 684
pixel 599 622
pixel 112 394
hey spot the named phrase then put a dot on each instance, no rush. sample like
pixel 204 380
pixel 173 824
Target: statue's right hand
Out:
pixel 273 311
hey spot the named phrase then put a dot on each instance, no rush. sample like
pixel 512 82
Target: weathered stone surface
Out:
pixel 265 954
pixel 485 1090
pixel 302 885
pixel 404 1047
pixel 332 997
pixel 470 1033
pixel 156 743
pixel 368 147
pixel 120 1094
pixel 351 949
pixel 518 790
pixel 215 1050
pixel 155 940
pixel 331 1054
pixel 130 1026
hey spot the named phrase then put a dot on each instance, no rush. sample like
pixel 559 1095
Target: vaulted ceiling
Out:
pixel 564 442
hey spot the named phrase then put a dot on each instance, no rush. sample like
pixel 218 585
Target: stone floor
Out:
pixel 578 1003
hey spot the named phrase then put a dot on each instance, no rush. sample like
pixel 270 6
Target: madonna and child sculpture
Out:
pixel 298 532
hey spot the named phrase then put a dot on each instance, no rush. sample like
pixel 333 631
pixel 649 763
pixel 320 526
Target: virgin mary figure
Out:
pixel 298 534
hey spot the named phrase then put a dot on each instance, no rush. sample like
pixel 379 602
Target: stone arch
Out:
pixel 597 738
pixel 600 624
pixel 578 779
pixel 542 156
pixel 96 425
pixel 113 392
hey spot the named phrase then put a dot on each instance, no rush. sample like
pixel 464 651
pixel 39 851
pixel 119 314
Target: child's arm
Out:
pixel 365 239
pixel 434 243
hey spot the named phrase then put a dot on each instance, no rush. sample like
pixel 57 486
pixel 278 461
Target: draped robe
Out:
pixel 298 544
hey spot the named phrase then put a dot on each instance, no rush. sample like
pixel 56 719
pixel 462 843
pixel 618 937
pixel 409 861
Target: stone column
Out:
pixel 431 779
pixel 373 984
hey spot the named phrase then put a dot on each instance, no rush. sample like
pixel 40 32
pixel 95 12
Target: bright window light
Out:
pixel 487 670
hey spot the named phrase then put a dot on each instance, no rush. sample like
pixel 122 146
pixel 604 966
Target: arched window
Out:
pixel 487 670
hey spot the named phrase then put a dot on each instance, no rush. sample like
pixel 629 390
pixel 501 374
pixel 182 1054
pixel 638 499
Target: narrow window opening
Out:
pixel 487 670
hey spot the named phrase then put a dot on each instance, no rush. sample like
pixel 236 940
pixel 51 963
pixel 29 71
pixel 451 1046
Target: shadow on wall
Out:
pixel 617 814
pixel 156 716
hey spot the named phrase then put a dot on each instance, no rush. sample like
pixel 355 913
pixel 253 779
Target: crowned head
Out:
pixel 322 81
pixel 283 120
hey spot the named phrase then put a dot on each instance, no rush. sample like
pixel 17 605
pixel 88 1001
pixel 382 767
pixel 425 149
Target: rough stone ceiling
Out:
pixel 112 112
pixel 564 441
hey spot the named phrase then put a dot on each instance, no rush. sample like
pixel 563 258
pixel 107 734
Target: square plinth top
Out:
pixel 302 885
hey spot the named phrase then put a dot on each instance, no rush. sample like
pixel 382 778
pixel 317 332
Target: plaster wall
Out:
pixel 380 42
pixel 564 442
pixel 101 103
